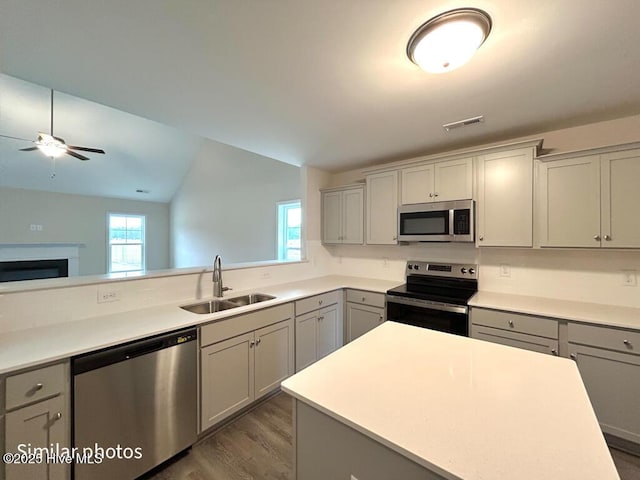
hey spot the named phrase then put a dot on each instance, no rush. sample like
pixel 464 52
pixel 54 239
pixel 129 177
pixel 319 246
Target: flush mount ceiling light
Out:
pixel 449 40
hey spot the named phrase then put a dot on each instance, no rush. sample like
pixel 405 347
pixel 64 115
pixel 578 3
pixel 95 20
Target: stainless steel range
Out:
pixel 435 296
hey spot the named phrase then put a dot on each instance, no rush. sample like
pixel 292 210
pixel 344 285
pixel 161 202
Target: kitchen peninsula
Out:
pixel 411 403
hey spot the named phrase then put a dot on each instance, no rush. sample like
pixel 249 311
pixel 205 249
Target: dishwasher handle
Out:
pixel 119 353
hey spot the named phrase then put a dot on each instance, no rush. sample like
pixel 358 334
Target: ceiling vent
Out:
pixel 463 123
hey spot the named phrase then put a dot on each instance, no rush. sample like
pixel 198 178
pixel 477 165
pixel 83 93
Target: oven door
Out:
pixel 433 315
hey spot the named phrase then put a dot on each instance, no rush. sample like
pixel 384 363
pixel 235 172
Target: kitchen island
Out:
pixel 405 402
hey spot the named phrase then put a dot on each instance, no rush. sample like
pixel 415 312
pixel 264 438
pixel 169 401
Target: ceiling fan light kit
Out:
pixel 449 40
pixel 54 147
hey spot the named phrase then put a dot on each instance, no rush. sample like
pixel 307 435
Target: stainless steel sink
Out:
pixel 210 306
pixel 218 305
pixel 250 299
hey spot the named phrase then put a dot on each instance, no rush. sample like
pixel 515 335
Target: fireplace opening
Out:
pixel 33 269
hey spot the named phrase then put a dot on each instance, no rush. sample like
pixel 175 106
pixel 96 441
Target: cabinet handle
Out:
pixel 627 343
pixel 381 317
pixel 251 343
pixel 596 238
pixel 436 194
pixel 573 356
pixel 607 238
pixel 511 323
pixel 554 352
pixel 58 416
pixel 364 299
pixel 431 195
pixel 319 302
pixel 38 386
pixel 395 238
pixel 258 342
pixel 321 318
pixel 481 238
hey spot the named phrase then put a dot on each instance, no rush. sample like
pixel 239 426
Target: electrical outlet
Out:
pixel 353 477
pixel 385 262
pixel 630 278
pixel 33 227
pixel 39 228
pixel 265 275
pixel 505 270
pixel 108 295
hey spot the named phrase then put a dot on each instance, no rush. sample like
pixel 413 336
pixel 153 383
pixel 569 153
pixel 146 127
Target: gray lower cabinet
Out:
pixel 237 371
pixel 609 363
pixel 37 416
pixel 318 333
pixel 319 327
pixel 365 311
pixel 528 332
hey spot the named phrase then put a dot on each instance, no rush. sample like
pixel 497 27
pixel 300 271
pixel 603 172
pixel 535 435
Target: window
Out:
pixel 289 222
pixel 126 243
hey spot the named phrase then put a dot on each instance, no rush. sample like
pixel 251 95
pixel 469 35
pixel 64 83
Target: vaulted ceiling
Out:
pixel 327 83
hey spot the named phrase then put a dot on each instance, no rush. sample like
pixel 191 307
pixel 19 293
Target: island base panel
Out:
pixel 326 448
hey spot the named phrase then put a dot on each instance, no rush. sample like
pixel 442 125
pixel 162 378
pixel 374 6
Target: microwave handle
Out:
pixel 451 225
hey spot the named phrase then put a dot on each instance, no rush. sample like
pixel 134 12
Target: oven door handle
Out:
pixel 445 307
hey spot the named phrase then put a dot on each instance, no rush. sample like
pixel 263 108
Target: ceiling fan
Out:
pixel 55 146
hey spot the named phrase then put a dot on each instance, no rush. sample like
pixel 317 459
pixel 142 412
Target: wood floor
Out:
pixel 257 446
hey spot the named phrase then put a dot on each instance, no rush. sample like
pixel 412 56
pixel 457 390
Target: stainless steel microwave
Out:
pixel 437 222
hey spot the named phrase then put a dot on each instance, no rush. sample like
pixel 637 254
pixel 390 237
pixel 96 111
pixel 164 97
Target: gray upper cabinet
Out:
pixel 437 182
pixel 343 215
pixel 588 200
pixel 382 208
pixel 505 198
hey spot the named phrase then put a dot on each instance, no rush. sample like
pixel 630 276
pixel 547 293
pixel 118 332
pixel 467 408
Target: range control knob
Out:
pixel 416 267
pixel 409 266
pixel 463 270
pixel 472 271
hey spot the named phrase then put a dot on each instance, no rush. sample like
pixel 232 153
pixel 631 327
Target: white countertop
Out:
pixel 610 315
pixel 27 348
pixel 463 408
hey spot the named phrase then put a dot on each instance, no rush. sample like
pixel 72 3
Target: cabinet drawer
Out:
pixel 35 385
pixel 515 322
pixel 234 326
pixel 317 301
pixel 366 298
pixel 515 339
pixel 627 341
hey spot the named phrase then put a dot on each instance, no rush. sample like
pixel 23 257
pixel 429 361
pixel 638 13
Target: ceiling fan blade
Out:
pixel 85 149
pixel 29 149
pixel 16 138
pixel 77 155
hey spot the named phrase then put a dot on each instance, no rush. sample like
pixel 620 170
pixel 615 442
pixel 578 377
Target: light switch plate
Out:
pixel 630 278
pixel 505 270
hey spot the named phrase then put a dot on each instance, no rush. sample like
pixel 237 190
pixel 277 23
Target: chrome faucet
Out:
pixel 217 277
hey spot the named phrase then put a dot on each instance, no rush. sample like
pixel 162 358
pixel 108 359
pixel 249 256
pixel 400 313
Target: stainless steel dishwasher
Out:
pixel 136 402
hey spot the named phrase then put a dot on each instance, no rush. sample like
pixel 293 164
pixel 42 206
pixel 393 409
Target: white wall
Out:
pixel 80 219
pixel 226 205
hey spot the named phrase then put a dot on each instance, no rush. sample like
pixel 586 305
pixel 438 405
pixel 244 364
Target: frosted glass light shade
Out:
pixel 449 40
pixel 50 146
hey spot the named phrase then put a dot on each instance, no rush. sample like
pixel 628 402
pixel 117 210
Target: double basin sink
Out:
pixel 219 305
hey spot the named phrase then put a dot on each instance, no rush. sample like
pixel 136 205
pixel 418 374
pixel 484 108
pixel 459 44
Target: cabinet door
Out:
pixel 329 329
pixel 332 217
pixel 620 181
pixel 417 184
pixel 306 340
pixel 361 319
pixel 353 216
pixel 569 203
pixel 226 378
pixel 382 208
pixel 273 356
pixel 612 380
pixel 39 425
pixel 453 180
pixel 514 339
pixel 505 199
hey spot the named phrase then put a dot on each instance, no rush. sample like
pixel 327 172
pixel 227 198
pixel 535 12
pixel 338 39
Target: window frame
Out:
pixel 281 212
pixel 142 243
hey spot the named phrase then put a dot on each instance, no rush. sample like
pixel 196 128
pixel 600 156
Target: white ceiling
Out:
pixel 327 83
